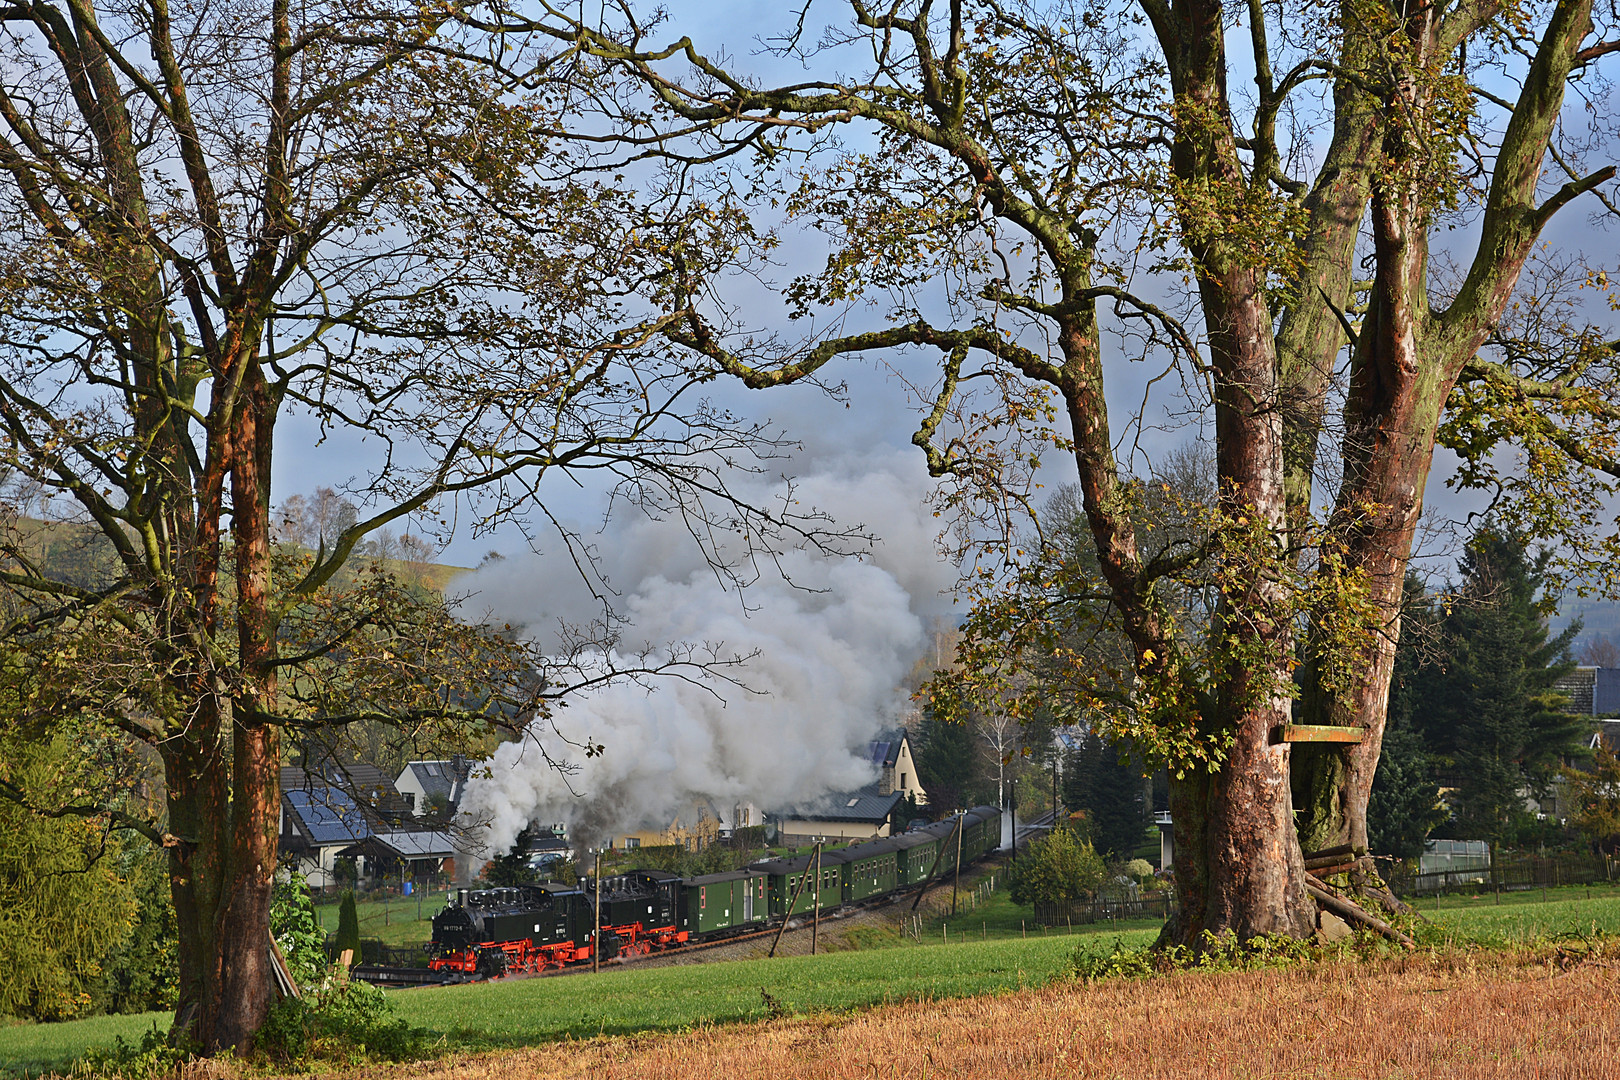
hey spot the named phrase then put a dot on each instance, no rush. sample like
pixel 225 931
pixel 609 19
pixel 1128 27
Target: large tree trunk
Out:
pixel 1235 837
pixel 1392 412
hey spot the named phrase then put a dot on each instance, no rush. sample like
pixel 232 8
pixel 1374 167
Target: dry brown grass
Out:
pixel 1452 1018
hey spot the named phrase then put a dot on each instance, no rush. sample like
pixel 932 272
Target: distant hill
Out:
pixel 81 555
pixel 1596 617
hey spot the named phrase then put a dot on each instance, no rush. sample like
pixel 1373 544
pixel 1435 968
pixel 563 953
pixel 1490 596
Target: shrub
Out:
pixel 1057 870
pixel 1223 952
pixel 63 907
pixel 154 1056
pixel 346 1022
pixel 1139 869
pixel 297 931
pixel 143 973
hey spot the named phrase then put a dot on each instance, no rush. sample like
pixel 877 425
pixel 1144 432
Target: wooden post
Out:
pixel 791 903
pixel 815 923
pixel 957 880
pixel 940 854
pixel 596 938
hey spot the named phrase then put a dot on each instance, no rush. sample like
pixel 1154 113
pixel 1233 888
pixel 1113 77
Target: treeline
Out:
pixel 1103 783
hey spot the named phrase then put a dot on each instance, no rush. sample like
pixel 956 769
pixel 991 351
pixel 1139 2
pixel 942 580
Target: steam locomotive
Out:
pixel 487 933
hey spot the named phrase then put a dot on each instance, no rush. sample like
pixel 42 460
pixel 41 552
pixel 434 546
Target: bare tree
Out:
pixel 1001 734
pixel 1600 650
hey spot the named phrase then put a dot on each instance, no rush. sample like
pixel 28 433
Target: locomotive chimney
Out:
pixel 461 898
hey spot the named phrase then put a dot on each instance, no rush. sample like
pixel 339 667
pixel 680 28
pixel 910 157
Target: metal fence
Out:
pixel 1509 874
pixel 1083 912
pixel 373 951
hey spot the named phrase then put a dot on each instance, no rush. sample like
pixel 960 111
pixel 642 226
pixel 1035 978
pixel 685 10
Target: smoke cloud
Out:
pixel 830 646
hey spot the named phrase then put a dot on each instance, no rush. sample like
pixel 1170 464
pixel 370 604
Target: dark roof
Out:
pixel 728 875
pixel 865 805
pixel 364 784
pixel 781 867
pixel 1608 734
pixel 885 749
pixel 861 852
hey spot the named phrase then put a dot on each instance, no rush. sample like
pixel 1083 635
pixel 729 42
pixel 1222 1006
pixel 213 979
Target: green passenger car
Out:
pixel 869 869
pixel 785 875
pixel 733 900
pixel 915 853
pixel 989 832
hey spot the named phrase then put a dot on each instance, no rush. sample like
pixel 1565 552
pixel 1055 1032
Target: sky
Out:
pixel 877 416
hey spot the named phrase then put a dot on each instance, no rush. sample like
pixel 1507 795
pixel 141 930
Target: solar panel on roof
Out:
pixel 329 815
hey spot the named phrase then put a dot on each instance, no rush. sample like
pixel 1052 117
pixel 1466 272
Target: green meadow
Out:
pixel 983 950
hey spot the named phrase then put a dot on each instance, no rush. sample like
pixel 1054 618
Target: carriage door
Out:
pixel 748 900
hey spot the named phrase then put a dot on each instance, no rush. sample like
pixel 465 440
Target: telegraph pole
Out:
pixel 957 880
pixel 596 938
pixel 815 925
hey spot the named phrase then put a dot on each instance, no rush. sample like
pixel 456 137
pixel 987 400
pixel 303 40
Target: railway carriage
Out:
pixel 735 901
pixel 785 875
pixel 915 853
pixel 868 870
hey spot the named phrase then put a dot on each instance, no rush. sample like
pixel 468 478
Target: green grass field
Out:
pixel 393 922
pixel 884 968
pixel 32 1049
pixel 627 1000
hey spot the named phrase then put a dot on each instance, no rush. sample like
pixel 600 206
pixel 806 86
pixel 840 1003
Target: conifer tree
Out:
pixel 1489 710
pixel 1405 804
pixel 945 755
pixel 1102 780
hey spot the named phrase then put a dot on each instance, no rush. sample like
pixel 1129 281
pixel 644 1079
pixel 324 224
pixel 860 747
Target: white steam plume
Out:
pixel 832 648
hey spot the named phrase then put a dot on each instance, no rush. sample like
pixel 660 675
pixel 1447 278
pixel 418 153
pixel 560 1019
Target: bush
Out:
pixel 346 1022
pixel 154 1056
pixel 1216 952
pixel 1139 869
pixel 1057 870
pixel 63 906
pixel 297 931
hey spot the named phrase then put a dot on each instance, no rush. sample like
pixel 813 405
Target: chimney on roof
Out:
pixel 458 776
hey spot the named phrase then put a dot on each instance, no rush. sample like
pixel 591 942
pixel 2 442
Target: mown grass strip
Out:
pixel 32 1049
pixel 627 1000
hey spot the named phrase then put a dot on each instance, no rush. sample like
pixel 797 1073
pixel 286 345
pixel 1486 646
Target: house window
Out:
pixel 902 781
pixel 632 842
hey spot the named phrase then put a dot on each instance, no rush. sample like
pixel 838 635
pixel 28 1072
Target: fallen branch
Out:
pixel 1332 852
pixel 1345 909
